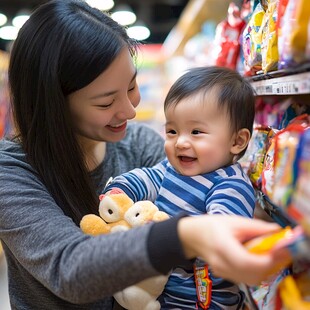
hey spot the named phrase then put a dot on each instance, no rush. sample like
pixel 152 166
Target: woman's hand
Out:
pixel 218 239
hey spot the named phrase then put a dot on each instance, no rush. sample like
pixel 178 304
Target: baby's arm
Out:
pixel 140 184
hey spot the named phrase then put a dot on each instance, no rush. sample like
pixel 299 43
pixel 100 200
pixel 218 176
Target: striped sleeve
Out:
pixel 231 196
pixel 140 183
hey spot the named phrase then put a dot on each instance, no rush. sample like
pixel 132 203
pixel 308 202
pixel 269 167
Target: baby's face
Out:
pixel 198 135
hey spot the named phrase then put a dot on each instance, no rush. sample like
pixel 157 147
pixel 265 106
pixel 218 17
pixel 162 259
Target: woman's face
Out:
pixel 101 109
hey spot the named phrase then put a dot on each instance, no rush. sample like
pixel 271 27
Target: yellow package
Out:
pixel 270 55
pixel 257 147
pixel 293 37
pixel 300 32
pixel 292 294
pixel 264 244
pixel 251 41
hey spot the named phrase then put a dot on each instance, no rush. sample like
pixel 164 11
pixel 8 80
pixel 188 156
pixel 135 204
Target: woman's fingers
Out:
pixel 219 241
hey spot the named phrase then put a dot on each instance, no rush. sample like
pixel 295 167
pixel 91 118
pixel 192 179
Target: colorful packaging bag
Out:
pixel 252 40
pixel 299 208
pixel 269 47
pixel 293 33
pixel 285 172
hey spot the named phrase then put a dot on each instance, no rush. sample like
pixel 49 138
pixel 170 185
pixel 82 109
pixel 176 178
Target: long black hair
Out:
pixel 62 47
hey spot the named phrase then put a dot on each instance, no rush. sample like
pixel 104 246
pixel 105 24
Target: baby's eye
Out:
pixel 171 132
pixel 196 132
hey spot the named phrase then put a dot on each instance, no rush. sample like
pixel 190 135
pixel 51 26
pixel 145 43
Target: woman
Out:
pixel 73 89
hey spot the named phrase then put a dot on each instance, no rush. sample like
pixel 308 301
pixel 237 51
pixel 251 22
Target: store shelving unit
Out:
pixel 287 82
pixel 295 81
pixel 284 83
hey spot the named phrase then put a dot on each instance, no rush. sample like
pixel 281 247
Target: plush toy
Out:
pixel 118 213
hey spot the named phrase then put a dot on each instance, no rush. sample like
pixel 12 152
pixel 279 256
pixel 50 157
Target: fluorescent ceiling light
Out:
pixel 3 19
pixel 138 31
pixel 19 20
pixel 124 15
pixel 8 32
pixel 103 5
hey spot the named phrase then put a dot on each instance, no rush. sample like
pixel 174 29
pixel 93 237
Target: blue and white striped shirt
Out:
pixel 225 191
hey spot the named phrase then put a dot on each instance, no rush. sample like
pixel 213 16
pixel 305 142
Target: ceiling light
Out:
pixel 124 15
pixel 20 18
pixel 102 5
pixel 8 32
pixel 138 31
pixel 3 19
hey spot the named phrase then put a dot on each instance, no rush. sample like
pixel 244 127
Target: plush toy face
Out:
pixel 141 213
pixel 118 213
pixel 113 207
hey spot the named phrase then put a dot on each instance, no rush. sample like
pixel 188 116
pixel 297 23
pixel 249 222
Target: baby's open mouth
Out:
pixel 186 158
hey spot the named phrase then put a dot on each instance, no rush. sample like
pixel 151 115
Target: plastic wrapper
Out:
pixel 269 47
pixel 252 40
pixel 293 34
pixel 257 150
pixel 267 174
pixel 299 209
pixel 285 170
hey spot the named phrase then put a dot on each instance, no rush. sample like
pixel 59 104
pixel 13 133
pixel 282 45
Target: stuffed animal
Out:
pixel 118 213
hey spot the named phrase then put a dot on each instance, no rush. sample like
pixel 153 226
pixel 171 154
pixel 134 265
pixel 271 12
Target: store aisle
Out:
pixel 4 298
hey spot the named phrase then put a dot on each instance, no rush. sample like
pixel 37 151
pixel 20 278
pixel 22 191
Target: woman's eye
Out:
pixel 105 106
pixel 132 88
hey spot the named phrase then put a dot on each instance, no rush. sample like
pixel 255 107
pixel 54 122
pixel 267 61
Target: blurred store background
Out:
pixel 167 26
pixel 266 40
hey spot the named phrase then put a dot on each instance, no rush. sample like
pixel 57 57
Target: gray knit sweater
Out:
pixel 51 263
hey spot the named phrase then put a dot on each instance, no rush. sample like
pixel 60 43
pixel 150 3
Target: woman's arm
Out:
pixel 218 239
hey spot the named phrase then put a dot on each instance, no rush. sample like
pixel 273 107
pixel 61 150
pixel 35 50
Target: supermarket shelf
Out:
pixel 276 213
pixel 294 81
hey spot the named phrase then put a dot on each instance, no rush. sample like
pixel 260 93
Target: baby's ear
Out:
pixel 240 142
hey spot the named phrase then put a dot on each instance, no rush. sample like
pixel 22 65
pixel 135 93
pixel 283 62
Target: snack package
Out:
pixel 265 294
pixel 299 208
pixel 291 109
pixel 294 292
pixel 285 171
pixel 267 174
pixel 257 150
pixel 293 34
pixel 269 47
pixel 252 40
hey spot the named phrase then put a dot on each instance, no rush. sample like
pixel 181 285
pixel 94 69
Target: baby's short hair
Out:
pixel 235 93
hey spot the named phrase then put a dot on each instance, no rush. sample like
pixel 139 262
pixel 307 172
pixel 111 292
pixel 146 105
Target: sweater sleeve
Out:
pixel 47 251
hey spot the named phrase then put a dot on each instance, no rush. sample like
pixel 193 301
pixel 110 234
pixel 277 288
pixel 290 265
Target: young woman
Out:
pixel 73 88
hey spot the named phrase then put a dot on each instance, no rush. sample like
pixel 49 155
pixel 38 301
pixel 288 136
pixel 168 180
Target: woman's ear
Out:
pixel 241 140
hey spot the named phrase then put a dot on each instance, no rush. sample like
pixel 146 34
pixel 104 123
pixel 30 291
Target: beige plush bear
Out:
pixel 118 213
pixel 112 208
